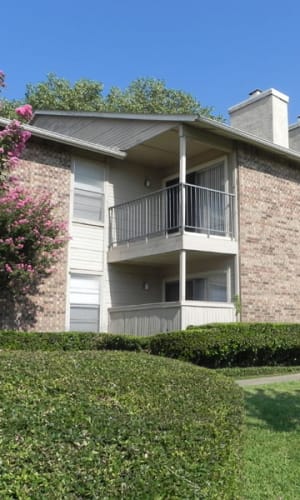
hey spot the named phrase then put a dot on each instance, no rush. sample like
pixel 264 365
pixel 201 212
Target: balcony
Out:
pixel 172 213
pixel 149 319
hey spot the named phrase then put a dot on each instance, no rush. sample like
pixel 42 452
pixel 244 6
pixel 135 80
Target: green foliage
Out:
pixel 258 371
pixel 67 341
pixel 8 108
pixel 143 95
pixel 149 95
pixel 237 344
pixel 116 425
pixel 58 94
pixel 213 346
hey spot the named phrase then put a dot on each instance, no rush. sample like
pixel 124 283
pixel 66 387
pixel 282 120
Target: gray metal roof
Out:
pixel 69 140
pixel 128 130
pixel 123 133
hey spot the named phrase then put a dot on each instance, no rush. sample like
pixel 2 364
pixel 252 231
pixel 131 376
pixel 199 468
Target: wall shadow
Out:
pixel 18 314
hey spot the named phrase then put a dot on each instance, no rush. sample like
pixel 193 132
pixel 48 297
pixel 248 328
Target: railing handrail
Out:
pixel 207 189
pixel 153 193
pixel 167 188
pixel 180 207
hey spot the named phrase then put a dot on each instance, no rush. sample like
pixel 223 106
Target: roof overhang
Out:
pixel 206 125
pixel 69 141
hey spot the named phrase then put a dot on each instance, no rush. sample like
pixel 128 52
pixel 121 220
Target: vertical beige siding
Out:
pixel 86 249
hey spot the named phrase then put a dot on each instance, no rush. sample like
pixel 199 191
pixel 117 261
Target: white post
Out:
pixel 182 275
pixel 182 173
pixel 182 286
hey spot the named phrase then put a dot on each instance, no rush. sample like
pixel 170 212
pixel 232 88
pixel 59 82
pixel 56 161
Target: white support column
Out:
pixel 228 283
pixel 182 173
pixel 182 286
pixel 182 275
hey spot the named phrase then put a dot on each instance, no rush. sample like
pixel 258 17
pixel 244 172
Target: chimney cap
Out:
pixel 255 92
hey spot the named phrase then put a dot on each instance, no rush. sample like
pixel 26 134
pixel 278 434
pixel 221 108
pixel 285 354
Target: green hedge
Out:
pixel 116 425
pixel 212 346
pixel 66 341
pixel 237 344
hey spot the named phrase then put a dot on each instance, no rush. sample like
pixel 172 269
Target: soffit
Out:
pixel 163 150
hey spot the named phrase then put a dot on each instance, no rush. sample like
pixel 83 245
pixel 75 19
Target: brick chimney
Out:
pixel 264 114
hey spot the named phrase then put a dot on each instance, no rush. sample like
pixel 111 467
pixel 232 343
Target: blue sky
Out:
pixel 218 50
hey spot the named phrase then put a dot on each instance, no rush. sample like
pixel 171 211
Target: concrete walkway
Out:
pixel 269 380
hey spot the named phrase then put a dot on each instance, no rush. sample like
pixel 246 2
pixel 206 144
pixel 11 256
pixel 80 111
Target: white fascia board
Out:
pixel 119 116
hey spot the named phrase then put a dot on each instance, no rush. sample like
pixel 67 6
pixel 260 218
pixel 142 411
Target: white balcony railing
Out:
pixel 176 208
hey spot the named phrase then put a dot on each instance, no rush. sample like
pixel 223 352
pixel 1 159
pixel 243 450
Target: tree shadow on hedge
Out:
pixel 279 410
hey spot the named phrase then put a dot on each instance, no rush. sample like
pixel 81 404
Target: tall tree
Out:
pixel 58 94
pixel 143 95
pixel 148 95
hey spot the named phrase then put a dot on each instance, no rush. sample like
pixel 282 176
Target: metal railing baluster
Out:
pixel 207 211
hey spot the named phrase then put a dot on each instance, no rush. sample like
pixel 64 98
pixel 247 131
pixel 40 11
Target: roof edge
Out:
pixel 119 116
pixel 239 135
pixel 68 140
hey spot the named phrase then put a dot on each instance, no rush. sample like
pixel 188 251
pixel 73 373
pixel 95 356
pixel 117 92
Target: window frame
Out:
pixel 92 189
pixel 82 305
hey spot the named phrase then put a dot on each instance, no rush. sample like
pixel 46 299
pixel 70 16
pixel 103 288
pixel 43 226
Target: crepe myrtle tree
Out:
pixel 30 236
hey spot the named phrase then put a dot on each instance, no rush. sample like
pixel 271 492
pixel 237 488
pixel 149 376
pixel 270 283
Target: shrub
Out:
pixel 238 344
pixel 116 425
pixel 66 341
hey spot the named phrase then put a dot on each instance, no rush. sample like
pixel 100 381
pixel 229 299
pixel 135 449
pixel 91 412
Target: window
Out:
pixel 84 303
pixel 212 288
pixel 88 191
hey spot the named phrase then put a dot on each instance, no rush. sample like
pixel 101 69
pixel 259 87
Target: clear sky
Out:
pixel 218 50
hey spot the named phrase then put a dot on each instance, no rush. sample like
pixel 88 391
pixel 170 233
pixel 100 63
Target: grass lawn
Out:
pixel 272 448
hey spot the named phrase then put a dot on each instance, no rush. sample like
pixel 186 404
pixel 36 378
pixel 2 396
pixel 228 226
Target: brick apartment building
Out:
pixel 173 219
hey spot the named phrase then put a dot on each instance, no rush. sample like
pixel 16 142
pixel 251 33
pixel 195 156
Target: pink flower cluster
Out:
pixel 13 137
pixel 30 237
pixel 25 111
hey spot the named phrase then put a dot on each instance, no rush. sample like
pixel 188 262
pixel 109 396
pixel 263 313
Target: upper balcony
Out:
pixel 179 217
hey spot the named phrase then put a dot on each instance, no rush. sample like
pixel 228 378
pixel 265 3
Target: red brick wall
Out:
pixel 269 233
pixel 46 167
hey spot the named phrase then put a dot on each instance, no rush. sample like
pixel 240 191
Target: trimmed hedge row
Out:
pixel 212 346
pixel 237 344
pixel 70 341
pixel 117 425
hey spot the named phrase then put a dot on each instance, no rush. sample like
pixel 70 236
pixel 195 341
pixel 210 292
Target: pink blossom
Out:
pixel 25 111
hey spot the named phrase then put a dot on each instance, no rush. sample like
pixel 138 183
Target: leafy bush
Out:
pixel 258 371
pixel 224 345
pixel 116 425
pixel 66 341
pixel 213 346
